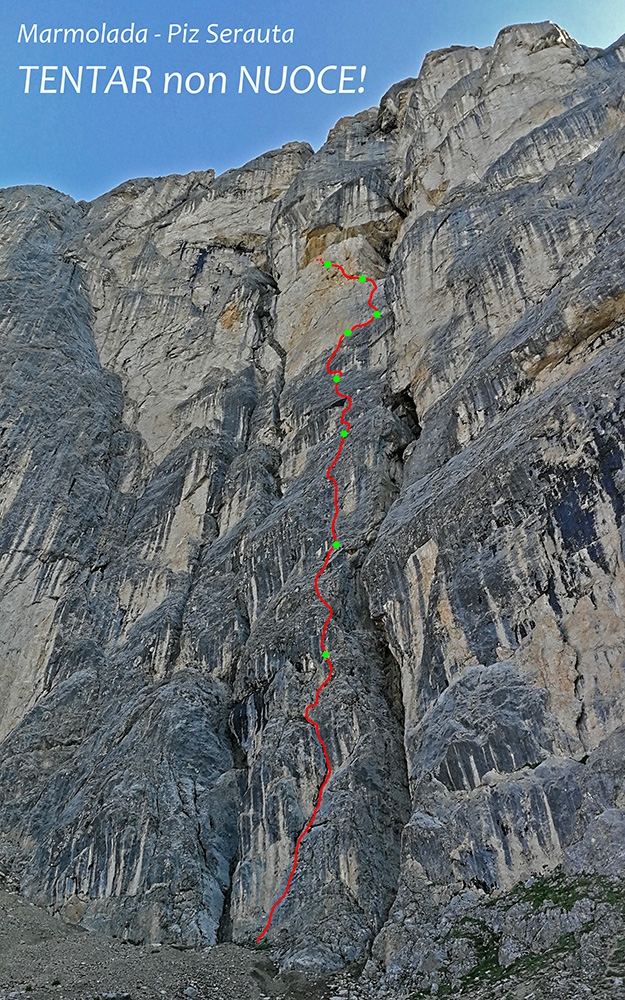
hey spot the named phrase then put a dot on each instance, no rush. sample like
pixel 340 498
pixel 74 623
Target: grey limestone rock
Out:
pixel 165 425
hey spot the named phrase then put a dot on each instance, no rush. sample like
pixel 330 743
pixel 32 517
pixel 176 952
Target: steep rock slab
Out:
pixel 506 544
pixel 478 632
pixel 119 620
pixel 80 799
pixel 196 575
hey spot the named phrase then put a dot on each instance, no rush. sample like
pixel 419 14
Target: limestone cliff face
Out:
pixel 166 421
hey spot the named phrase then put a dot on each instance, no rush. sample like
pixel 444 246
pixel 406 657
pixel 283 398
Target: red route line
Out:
pixel 322 643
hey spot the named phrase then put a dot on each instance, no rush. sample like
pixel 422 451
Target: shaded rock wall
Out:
pixel 166 421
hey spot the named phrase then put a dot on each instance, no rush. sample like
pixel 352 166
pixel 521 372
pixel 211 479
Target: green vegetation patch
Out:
pixel 564 891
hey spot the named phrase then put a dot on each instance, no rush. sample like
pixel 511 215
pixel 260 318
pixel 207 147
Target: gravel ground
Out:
pixel 42 957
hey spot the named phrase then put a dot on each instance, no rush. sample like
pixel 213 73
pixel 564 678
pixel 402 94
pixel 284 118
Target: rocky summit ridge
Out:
pixel 165 426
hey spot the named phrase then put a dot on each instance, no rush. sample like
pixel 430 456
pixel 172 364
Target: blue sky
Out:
pixel 87 143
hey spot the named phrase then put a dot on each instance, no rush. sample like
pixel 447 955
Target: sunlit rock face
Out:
pixel 166 421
